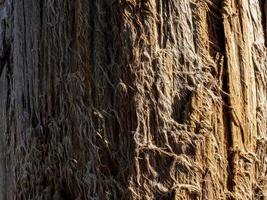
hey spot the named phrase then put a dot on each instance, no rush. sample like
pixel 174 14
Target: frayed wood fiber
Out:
pixel 133 99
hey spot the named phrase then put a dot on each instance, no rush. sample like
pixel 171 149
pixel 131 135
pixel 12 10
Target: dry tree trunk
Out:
pixel 133 99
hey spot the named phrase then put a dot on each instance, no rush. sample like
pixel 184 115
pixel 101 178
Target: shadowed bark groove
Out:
pixel 134 99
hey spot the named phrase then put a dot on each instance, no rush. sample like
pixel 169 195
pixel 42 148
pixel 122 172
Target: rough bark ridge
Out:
pixel 133 99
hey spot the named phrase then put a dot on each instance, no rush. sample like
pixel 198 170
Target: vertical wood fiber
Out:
pixel 133 99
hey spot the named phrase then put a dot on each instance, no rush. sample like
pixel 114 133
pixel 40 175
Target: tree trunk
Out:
pixel 133 99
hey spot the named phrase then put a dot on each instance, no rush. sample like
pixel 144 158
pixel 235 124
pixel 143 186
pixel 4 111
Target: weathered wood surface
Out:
pixel 133 99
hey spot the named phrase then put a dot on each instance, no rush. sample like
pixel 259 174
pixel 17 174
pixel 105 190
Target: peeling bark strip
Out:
pixel 156 99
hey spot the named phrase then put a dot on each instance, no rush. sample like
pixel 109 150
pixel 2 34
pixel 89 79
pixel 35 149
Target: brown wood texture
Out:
pixel 133 99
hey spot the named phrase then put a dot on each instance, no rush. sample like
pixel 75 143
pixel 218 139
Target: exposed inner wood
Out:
pixel 133 99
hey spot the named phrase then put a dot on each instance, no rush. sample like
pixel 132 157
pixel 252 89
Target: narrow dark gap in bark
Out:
pixel 217 45
pixel 41 56
pixel 227 130
pixel 227 118
pixel 263 7
pixel 10 116
pixel 91 20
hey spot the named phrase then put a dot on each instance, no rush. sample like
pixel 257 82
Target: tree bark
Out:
pixel 133 99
